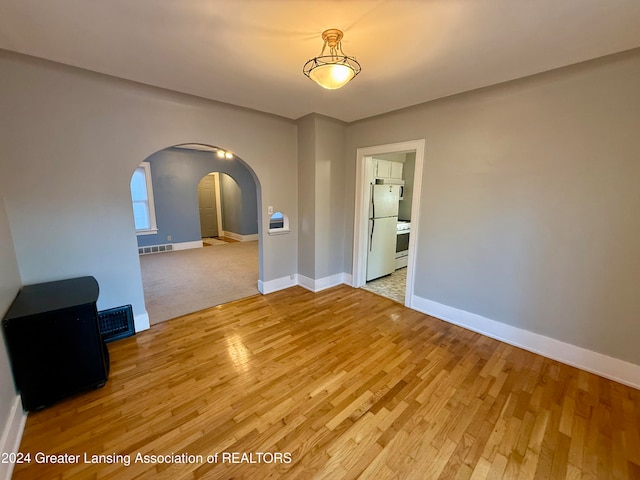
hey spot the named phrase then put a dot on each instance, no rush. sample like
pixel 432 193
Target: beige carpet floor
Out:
pixel 185 281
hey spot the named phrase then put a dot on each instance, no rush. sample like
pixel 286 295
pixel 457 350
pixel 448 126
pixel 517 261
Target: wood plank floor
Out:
pixel 340 384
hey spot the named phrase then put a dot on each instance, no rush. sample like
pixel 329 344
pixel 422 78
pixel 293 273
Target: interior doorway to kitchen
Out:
pixel 385 237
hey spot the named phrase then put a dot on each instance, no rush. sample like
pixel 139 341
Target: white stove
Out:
pixel 403 226
pixel 403 229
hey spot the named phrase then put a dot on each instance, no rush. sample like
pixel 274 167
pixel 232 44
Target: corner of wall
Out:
pixel 281 283
pixel 304 282
pixel 11 410
pixel 11 436
pixel 141 322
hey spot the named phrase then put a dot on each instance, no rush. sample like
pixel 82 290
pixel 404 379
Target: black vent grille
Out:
pixel 116 323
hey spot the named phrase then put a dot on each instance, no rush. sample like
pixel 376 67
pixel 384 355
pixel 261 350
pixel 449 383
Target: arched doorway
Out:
pixel 178 276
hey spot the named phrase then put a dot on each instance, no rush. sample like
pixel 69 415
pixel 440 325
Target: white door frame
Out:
pixel 364 176
pixel 216 181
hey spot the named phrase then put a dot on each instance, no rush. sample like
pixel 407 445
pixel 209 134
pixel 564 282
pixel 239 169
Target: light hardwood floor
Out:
pixel 351 385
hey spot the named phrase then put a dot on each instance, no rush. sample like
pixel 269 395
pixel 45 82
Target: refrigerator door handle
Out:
pixel 373 204
pixel 373 225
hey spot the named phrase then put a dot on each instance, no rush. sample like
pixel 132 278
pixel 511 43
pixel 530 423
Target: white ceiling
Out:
pixel 251 52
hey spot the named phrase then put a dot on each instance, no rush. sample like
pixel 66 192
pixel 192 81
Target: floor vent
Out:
pixel 116 323
pixel 155 249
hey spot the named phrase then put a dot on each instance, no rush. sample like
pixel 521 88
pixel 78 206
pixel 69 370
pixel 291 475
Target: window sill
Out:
pixel 152 231
pixel 278 231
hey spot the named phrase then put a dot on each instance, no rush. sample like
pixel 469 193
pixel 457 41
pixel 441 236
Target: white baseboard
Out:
pixel 305 282
pixel 141 322
pixel 612 368
pixel 11 436
pixel 321 283
pixel 240 238
pixel 187 245
pixel 277 284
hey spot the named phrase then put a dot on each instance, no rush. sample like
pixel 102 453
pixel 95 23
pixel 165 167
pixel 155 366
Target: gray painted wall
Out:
pixel 329 195
pixel 530 201
pixel 10 283
pixel 69 142
pixel 175 174
pixel 321 149
pixel 306 196
pixel 236 210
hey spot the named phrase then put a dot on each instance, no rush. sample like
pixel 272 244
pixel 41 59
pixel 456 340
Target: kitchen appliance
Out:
pixel 403 230
pixel 383 219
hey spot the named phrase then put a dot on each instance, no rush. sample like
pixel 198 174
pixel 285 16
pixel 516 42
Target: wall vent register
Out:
pixel 155 249
pixel 116 323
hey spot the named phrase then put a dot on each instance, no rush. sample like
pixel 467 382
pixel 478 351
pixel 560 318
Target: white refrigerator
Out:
pixel 383 220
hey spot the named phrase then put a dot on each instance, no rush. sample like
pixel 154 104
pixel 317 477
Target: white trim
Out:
pixel 147 232
pixel 278 231
pixel 187 245
pixel 153 227
pixel 364 176
pixel 281 283
pixel 603 365
pixel 321 283
pixel 305 282
pixel 141 322
pixel 241 238
pixel 12 435
pixel 216 183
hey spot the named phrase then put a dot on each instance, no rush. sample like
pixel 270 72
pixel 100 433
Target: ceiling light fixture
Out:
pixel 335 69
pixel 222 154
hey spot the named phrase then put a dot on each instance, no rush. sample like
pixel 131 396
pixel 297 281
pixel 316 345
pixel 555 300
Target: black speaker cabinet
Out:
pixel 54 341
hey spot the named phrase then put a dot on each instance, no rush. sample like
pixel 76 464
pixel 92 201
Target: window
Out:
pixel 144 214
pixel 278 223
pixel 276 220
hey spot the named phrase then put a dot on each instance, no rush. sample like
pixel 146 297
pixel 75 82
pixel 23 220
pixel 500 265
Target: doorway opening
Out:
pixel 199 197
pixel 210 209
pixel 388 185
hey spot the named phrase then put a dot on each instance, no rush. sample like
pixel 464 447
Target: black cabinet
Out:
pixel 54 342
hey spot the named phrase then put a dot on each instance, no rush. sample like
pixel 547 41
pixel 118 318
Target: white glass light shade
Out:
pixel 335 69
pixel 331 76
